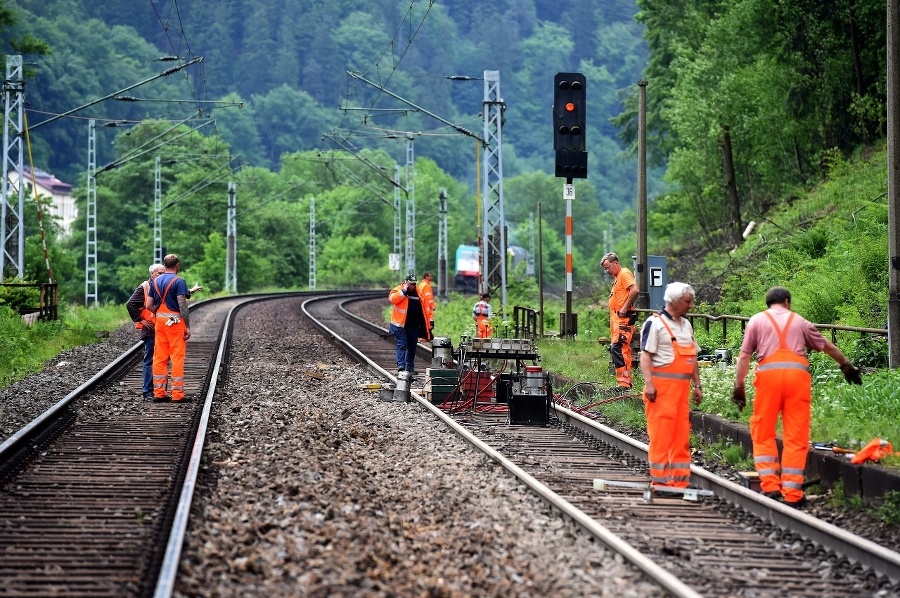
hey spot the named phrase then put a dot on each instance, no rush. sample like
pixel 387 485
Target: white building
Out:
pixel 62 205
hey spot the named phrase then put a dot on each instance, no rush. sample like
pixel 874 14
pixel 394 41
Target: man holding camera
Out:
pixel 407 322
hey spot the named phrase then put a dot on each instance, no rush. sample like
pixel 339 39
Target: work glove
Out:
pixel 431 324
pixel 851 373
pixel 738 397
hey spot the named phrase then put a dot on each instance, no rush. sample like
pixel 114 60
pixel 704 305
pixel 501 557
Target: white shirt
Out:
pixel 656 341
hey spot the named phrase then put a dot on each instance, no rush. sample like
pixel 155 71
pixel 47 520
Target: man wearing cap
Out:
pixel 407 321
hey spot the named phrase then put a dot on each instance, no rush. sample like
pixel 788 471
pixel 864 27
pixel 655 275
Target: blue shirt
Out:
pixel 179 287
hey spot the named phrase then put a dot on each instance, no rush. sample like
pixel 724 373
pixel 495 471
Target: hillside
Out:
pixel 828 246
pixel 292 81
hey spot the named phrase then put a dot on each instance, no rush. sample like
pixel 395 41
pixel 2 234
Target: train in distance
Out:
pixel 468 265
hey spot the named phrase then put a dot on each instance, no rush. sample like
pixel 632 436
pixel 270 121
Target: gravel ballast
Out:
pixel 313 487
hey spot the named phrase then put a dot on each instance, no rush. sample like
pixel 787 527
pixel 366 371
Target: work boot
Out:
pixel 797 504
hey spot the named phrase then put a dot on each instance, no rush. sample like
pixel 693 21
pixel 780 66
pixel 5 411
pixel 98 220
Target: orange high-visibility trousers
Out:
pixel 170 344
pixel 620 334
pixel 668 418
pixel 484 329
pixel 783 386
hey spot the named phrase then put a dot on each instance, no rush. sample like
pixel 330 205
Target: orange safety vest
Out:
pixel 400 307
pixel 146 314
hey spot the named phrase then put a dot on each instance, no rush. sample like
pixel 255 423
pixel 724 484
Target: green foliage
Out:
pixel 292 81
pixel 869 352
pixel 730 454
pixel 889 509
pixel 16 297
pixel 26 349
pixel 780 87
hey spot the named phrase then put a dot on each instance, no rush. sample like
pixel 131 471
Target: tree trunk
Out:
pixel 737 227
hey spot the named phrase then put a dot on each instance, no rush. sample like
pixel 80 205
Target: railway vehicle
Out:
pixel 468 265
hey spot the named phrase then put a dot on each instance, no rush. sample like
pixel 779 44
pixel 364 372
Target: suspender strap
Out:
pixel 782 334
pixel 162 301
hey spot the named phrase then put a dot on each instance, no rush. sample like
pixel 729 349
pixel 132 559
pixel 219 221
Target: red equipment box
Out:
pixel 485 382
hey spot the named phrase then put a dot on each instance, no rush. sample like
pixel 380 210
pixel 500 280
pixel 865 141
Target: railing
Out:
pixel 706 318
pixel 48 300
pixel 525 321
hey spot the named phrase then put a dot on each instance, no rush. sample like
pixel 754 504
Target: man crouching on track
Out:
pixel 407 322
pixel 168 298
pixel 669 364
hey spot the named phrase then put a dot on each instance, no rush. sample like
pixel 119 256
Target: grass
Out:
pixel 25 349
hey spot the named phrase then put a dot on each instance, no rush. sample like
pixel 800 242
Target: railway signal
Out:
pixel 569 120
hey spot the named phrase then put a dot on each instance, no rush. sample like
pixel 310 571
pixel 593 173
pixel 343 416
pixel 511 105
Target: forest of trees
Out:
pixel 287 63
pixel 796 84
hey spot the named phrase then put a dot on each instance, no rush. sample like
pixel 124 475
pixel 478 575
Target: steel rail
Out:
pixel 853 547
pixel 165 585
pixel 665 579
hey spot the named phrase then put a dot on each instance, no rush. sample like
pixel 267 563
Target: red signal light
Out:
pixel 570 107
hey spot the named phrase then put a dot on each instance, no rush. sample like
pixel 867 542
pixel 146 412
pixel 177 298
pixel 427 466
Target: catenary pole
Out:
pixel 893 176
pixel 643 299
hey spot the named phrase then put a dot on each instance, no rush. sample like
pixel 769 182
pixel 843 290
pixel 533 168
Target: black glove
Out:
pixel 738 397
pixel 431 324
pixel 851 373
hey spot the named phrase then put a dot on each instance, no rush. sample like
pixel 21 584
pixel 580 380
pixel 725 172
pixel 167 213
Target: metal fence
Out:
pixel 741 321
pixel 47 299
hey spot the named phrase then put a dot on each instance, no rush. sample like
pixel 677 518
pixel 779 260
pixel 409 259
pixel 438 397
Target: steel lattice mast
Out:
pixel 12 226
pixel 493 265
pixel 231 240
pixel 90 250
pixel 442 245
pixel 157 213
pixel 312 243
pixel 410 206
pixel 398 212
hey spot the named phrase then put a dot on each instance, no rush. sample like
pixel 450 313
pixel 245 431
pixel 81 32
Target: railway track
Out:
pixel 100 510
pixel 734 543
pixel 94 492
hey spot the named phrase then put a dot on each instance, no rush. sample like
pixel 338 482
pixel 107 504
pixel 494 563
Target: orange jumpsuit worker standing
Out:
pixel 780 337
pixel 426 295
pixel 481 313
pixel 669 364
pixel 169 292
pixel 622 316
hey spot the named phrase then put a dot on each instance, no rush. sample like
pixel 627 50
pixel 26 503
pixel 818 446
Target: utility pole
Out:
pixel 410 206
pixel 442 245
pixel 12 226
pixel 493 254
pixel 893 176
pixel 90 252
pixel 312 243
pixel 643 299
pixel 540 270
pixel 231 240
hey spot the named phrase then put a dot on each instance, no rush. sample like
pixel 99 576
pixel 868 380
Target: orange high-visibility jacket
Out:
pixel 401 306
